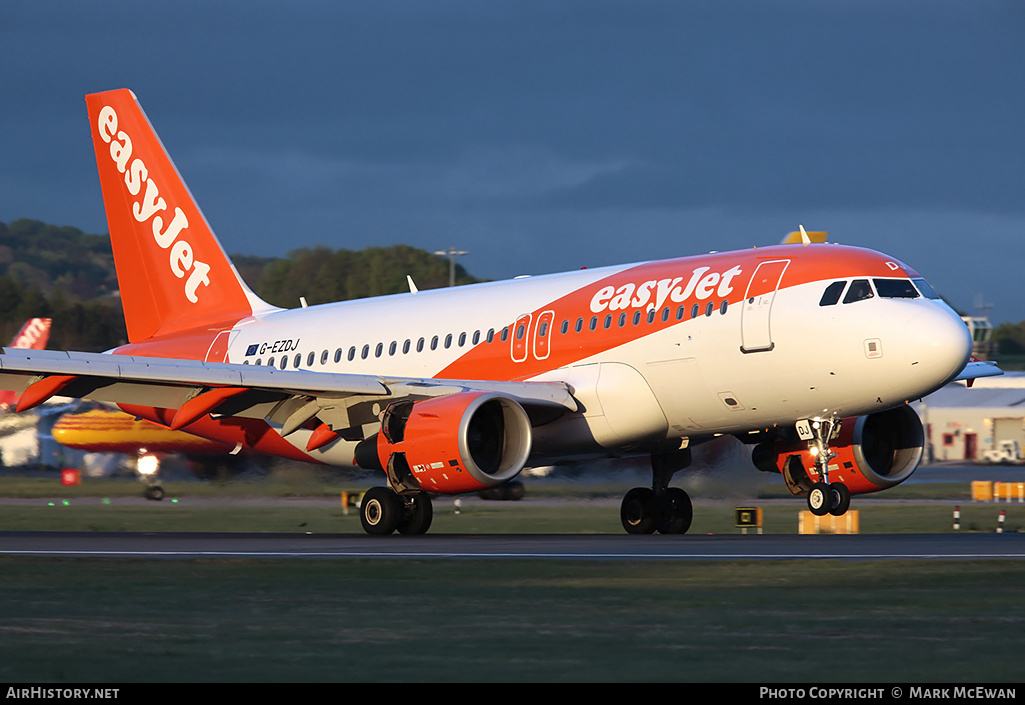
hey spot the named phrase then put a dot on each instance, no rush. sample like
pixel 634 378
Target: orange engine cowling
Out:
pixel 458 443
pixel 873 452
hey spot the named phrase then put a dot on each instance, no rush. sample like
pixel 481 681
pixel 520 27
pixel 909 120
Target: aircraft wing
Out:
pixel 287 397
pixel 976 369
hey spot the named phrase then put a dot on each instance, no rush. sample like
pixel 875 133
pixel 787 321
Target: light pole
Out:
pixel 452 253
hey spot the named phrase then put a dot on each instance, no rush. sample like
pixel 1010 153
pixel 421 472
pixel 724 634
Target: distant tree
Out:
pixel 1010 338
pixel 68 275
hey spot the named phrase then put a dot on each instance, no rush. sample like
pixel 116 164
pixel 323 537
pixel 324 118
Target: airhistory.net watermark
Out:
pixel 48 693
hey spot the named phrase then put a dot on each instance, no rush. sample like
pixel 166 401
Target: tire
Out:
pixel 380 511
pixel 820 499
pixel 417 515
pixel 638 511
pixel 675 511
pixel 841 499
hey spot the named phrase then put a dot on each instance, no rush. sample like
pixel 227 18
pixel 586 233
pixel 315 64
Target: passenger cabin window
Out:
pixel 895 288
pixel 832 294
pixel 859 291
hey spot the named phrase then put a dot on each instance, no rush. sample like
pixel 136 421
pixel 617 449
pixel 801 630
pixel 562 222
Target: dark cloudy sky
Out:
pixel 548 135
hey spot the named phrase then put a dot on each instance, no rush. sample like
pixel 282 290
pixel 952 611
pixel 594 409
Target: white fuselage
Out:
pixel 721 358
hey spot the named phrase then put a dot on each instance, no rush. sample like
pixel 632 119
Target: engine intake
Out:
pixel 458 443
pixel 873 452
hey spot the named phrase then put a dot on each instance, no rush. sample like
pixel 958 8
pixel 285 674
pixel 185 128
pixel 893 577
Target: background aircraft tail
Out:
pixel 35 334
pixel 173 274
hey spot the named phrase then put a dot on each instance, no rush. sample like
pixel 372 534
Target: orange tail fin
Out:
pixel 173 274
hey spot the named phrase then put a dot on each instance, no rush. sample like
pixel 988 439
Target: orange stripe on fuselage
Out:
pixel 666 284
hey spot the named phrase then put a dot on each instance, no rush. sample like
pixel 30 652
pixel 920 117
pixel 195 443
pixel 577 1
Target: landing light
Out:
pixel 148 464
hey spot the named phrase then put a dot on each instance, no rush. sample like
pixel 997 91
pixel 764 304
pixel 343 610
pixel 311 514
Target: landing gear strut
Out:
pixel 383 511
pixel 661 508
pixel 824 497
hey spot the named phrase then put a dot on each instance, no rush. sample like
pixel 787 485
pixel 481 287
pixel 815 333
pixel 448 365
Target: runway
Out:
pixel 862 547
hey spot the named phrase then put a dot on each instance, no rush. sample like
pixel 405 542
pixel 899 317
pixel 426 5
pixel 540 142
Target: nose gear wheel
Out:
pixel 824 497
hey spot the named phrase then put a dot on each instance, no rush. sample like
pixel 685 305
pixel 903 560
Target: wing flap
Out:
pixel 285 398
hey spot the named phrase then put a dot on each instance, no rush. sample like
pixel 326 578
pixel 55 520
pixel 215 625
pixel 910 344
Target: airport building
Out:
pixel 981 423
pixel 984 423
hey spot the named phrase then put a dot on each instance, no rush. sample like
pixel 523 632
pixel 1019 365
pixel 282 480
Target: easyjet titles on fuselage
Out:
pixel 702 284
pixel 181 258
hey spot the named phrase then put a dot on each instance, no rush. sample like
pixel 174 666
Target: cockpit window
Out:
pixel 927 291
pixel 859 291
pixel 895 288
pixel 832 293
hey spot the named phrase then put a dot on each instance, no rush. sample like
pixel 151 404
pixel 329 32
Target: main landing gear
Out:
pixel 383 511
pixel 661 508
pixel 825 497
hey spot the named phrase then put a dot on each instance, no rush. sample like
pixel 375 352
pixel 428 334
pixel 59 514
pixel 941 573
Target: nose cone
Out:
pixel 939 345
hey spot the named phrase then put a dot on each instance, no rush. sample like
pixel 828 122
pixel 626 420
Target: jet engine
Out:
pixel 458 443
pixel 873 452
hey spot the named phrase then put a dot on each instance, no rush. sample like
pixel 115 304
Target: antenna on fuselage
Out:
pixel 804 236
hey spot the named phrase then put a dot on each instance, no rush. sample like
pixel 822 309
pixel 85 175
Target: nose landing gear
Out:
pixel 824 497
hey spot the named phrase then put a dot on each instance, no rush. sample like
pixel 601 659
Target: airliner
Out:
pixel 105 430
pixel 808 351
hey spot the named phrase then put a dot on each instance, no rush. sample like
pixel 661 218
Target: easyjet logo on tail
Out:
pixel 152 207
